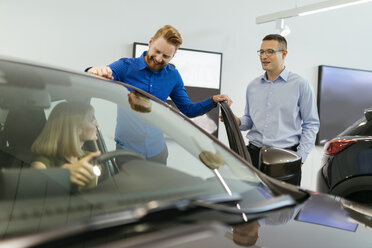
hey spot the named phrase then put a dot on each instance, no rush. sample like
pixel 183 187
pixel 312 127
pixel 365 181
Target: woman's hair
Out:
pixel 60 135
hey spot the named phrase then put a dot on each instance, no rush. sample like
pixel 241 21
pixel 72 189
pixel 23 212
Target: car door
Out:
pixel 236 141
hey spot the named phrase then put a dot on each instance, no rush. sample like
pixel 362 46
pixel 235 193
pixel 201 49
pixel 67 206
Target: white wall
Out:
pixel 78 33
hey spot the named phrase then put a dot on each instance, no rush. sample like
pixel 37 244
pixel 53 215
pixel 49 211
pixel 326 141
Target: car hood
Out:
pixel 321 221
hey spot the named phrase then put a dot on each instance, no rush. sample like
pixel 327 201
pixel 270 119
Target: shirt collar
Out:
pixel 142 63
pixel 283 75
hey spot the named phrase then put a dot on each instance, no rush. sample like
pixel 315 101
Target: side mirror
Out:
pixel 279 163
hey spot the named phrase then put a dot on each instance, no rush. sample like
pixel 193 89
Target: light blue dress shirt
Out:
pixel 281 113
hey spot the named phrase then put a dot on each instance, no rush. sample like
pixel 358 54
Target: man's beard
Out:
pixel 151 61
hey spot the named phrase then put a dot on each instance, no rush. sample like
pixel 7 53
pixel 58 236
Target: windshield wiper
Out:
pixel 256 208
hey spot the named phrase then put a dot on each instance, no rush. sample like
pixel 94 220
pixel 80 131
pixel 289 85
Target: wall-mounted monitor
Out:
pixel 201 75
pixel 343 95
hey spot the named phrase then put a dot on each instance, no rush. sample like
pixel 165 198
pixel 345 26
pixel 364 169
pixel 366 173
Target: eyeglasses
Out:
pixel 268 52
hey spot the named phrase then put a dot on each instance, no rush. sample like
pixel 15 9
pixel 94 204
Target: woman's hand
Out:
pixel 81 172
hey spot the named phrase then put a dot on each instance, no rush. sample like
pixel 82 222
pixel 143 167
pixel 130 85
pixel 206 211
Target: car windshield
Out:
pixel 149 151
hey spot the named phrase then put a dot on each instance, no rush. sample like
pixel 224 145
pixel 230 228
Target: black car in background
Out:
pixel 205 195
pixel 347 163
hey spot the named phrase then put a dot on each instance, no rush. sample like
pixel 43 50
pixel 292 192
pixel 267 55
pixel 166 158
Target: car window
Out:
pixel 105 112
pixel 151 130
pixel 178 157
pixel 52 105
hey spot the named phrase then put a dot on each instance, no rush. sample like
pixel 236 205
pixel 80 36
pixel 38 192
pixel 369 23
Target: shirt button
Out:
pixel 151 85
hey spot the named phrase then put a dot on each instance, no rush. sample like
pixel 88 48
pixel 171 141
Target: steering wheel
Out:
pixel 111 168
pixel 117 153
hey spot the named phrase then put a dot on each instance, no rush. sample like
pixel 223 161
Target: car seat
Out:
pixel 21 128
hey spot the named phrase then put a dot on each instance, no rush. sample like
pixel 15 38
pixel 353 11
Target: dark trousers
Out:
pixel 254 152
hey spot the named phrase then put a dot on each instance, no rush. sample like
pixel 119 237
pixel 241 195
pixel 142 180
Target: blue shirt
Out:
pixel 281 113
pixel 134 134
pixel 162 83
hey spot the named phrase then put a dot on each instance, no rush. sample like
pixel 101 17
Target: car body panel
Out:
pixel 348 173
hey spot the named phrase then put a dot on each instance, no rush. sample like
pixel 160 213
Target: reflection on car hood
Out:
pixel 322 221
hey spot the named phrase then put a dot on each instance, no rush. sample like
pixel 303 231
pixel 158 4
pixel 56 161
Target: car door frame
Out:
pixel 235 138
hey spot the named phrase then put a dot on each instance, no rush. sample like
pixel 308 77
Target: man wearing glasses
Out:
pixel 280 106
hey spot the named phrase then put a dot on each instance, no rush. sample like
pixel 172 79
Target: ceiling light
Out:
pixel 283 29
pixel 308 9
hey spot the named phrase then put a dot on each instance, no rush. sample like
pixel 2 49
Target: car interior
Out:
pixel 21 123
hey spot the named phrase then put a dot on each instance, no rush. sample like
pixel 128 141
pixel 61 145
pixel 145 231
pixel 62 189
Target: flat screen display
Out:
pixel 343 95
pixel 197 68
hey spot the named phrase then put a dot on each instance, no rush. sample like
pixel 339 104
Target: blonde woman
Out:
pixel 60 143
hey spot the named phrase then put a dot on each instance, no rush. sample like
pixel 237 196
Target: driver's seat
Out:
pixel 21 128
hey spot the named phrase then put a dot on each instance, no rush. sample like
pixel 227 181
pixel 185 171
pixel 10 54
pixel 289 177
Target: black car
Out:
pixel 347 163
pixel 203 194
